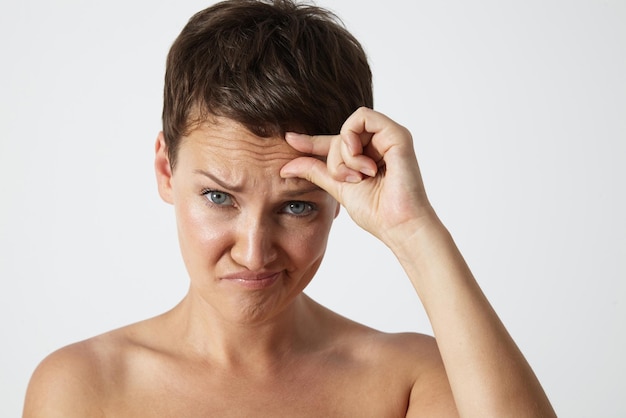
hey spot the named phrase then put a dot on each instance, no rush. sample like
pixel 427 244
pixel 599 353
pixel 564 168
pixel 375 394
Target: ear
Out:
pixel 163 169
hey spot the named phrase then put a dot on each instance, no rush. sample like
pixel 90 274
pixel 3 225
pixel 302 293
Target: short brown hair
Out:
pixel 273 66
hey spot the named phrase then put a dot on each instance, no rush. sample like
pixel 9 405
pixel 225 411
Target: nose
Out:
pixel 254 245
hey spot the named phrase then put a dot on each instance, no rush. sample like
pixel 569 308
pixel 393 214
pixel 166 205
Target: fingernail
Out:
pixel 286 174
pixel 292 135
pixel 368 172
pixel 353 178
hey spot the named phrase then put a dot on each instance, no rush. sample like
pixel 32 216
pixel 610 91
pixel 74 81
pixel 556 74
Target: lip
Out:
pixel 253 280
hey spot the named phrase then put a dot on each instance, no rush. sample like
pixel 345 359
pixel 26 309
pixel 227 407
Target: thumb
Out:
pixel 313 170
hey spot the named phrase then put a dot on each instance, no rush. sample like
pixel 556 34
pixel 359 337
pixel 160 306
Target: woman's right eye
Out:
pixel 218 198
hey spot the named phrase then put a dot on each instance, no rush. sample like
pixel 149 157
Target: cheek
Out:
pixel 307 245
pixel 199 236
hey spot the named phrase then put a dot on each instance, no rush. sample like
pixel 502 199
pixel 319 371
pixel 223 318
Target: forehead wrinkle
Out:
pixel 264 149
pixel 237 178
pixel 241 144
pixel 237 162
pixel 226 130
pixel 241 170
pixel 235 155
pixel 290 188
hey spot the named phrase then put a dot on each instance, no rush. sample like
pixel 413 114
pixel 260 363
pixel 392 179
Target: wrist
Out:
pixel 422 245
pixel 417 230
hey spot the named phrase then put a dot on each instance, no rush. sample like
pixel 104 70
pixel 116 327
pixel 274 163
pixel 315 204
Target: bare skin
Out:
pixel 253 216
pixel 342 370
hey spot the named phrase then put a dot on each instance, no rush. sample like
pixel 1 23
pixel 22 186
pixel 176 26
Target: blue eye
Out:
pixel 218 198
pixel 297 208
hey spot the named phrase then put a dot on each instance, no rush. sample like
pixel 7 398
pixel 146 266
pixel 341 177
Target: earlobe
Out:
pixel 163 169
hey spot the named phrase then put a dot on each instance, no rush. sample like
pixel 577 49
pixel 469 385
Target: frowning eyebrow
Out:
pixel 290 193
pixel 223 184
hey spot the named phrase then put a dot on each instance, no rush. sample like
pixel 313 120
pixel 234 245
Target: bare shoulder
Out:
pixel 73 381
pixel 66 383
pixel 417 356
pixel 431 394
pixel 409 359
pixel 413 352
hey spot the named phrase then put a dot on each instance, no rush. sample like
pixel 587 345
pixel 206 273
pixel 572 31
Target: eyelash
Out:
pixel 207 192
pixel 310 207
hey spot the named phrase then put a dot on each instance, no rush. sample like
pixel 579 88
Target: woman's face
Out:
pixel 251 240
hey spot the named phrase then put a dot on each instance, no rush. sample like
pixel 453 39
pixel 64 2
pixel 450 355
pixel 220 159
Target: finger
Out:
pixel 367 120
pixel 353 157
pixel 382 132
pixel 310 144
pixel 330 146
pixel 313 170
pixel 336 165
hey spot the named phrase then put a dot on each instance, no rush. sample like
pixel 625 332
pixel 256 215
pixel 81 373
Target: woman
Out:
pixel 251 159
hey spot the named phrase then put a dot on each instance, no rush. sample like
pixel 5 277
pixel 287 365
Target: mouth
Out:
pixel 252 280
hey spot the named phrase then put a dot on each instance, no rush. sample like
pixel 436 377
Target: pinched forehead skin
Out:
pixel 237 159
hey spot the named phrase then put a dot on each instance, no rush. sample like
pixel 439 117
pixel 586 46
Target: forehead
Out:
pixel 224 138
pixel 227 150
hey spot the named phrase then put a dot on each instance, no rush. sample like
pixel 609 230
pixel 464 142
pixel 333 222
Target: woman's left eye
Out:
pixel 298 208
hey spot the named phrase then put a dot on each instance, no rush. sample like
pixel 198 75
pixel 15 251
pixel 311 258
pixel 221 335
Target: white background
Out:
pixel 518 110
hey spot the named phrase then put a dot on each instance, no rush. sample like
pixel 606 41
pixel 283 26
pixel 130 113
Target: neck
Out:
pixel 245 343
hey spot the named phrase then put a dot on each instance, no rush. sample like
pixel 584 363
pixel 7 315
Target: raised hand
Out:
pixel 370 168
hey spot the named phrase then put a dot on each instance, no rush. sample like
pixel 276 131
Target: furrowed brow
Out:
pixel 311 188
pixel 220 182
pixel 291 193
